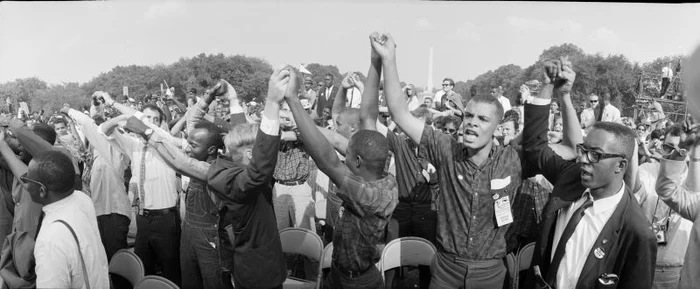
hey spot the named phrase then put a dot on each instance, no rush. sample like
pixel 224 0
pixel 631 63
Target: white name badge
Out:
pixel 497 184
pixel 503 213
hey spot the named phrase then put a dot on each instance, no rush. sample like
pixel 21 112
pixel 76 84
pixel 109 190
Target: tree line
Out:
pixel 596 73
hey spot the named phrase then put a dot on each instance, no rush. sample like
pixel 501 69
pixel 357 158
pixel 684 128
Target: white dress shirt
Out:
pixel 667 72
pixel 579 246
pixel 505 102
pixel 354 98
pixel 58 262
pixel 610 113
pixel 160 185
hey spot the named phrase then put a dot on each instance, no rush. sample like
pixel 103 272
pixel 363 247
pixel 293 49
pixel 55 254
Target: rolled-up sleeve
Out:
pixel 677 196
pixel 270 126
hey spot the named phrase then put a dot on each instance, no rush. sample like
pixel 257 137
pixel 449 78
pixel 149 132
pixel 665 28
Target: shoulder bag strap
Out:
pixel 82 261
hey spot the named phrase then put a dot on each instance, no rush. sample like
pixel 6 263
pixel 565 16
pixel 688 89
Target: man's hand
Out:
pixel 293 83
pixel 384 45
pixel 551 71
pixel 277 87
pixel 136 126
pixel 108 98
pixel 347 81
pixel 565 76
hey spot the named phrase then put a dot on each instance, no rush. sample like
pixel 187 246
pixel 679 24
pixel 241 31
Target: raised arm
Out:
pixel 369 107
pixel 31 142
pixel 386 48
pixel 321 152
pixel 683 199
pixel 339 142
pixel 537 155
pixel 109 101
pixel 179 125
pixel 17 167
pixel 572 129
pixel 339 101
pixel 170 153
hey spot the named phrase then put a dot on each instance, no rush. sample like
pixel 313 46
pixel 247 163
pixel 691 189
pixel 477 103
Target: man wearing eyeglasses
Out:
pixel 592 231
pixel 599 110
pixel 671 229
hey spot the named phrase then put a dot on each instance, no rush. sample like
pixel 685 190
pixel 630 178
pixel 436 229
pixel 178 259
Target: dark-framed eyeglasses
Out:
pixel 594 156
pixel 445 84
pixel 668 149
pixel 594 101
pixel 27 180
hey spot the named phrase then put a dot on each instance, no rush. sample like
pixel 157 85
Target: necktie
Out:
pixel 142 179
pixel 561 247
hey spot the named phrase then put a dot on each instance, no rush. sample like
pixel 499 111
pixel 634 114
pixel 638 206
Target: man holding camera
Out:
pixel 671 229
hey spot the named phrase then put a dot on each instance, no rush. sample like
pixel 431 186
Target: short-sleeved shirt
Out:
pixel 412 185
pixel 368 208
pixel 292 162
pixel 466 223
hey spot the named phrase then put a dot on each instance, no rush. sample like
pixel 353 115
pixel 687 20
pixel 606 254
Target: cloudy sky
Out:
pixel 75 41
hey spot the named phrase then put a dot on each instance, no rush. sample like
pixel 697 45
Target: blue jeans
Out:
pixel 199 258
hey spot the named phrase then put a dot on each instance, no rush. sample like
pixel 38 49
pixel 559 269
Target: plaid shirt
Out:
pixel 368 207
pixel 292 162
pixel 466 223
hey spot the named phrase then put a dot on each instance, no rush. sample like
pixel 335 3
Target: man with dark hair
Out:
pixel 497 92
pixel 476 180
pixel 153 189
pixel 592 230
pixel 326 95
pixel 369 196
pixel 203 265
pixel 243 182
pixel 414 212
pixel 107 191
pixel 68 245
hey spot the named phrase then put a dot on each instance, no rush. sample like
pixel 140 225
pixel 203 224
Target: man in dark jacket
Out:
pixel 594 234
pixel 243 182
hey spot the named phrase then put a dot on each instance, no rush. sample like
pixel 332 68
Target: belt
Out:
pixel 159 212
pixel 350 273
pixel 291 183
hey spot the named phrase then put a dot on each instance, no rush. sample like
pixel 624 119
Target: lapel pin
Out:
pixel 460 177
pixel 495 197
pixel 605 241
pixel 599 253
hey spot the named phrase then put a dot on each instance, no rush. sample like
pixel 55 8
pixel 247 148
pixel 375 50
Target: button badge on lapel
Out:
pixel 608 279
pixel 599 253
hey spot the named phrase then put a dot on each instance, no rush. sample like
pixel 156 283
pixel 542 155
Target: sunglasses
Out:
pixel 449 130
pixel 445 84
pixel 594 156
pixel 668 149
pixel 27 180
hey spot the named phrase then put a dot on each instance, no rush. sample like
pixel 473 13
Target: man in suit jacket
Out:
pixel 243 182
pixel 325 98
pixel 594 234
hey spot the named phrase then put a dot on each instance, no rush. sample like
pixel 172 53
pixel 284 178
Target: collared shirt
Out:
pixel 368 207
pixel 58 262
pixel 27 212
pixel 107 182
pixel 505 102
pixel 292 162
pixel 354 98
pixel 656 210
pixel 610 113
pixel 466 224
pixel 579 246
pixel 151 176
pixel 667 72
pixel 412 184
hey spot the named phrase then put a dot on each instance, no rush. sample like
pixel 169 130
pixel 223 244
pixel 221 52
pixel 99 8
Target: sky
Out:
pixel 76 41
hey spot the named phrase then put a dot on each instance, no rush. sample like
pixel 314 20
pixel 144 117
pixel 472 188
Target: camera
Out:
pixel 660 232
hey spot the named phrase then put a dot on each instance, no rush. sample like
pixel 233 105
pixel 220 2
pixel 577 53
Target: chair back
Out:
pixel 525 256
pixel 301 241
pixel 406 251
pixel 327 256
pixel 156 282
pixel 128 265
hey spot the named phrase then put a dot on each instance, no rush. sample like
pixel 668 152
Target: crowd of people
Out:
pixel 204 187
